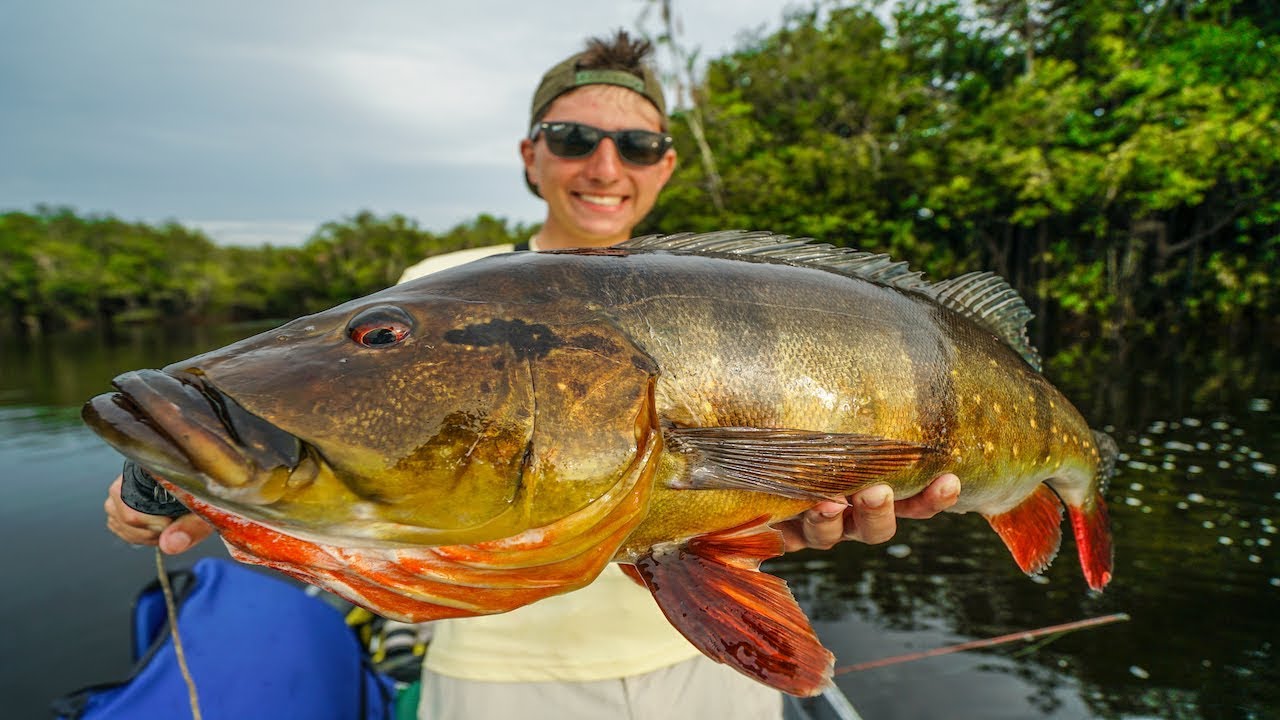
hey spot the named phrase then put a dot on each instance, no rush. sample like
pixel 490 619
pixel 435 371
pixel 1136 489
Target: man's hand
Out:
pixel 869 516
pixel 172 535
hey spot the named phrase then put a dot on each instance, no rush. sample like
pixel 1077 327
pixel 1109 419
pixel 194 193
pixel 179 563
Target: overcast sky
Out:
pixel 259 120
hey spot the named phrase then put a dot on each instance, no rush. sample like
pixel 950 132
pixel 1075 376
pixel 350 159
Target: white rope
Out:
pixel 177 639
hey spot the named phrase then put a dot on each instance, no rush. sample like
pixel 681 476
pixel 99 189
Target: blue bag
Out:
pixel 257 647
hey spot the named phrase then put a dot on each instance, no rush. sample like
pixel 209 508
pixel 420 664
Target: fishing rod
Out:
pixel 985 643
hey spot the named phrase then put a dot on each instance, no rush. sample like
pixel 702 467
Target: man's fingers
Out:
pixel 938 496
pixel 183 533
pixel 132 535
pixel 870 516
pixel 823 524
pixel 172 535
pixel 131 525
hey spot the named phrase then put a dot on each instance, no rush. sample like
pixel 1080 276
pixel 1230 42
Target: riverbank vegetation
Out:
pixel 59 269
pixel 1119 163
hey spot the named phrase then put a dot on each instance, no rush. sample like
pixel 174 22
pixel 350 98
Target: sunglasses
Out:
pixel 575 140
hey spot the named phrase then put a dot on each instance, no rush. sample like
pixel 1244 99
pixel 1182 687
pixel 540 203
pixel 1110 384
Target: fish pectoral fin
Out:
pixel 793 463
pixel 710 588
pixel 1033 530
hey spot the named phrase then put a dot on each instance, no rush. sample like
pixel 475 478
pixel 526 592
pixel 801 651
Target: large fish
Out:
pixel 494 434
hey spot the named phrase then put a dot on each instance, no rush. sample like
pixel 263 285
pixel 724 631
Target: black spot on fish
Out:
pixel 597 343
pixel 528 341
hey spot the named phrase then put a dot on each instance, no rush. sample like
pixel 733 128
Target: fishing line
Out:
pixel 172 607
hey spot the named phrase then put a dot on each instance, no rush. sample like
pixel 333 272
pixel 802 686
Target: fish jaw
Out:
pixel 182 428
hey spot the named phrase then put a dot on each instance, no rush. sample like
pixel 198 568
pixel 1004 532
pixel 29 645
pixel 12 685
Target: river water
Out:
pixel 1194 512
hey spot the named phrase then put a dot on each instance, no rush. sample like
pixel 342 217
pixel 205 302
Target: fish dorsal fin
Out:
pixel 982 297
pixel 768 247
pixel 988 300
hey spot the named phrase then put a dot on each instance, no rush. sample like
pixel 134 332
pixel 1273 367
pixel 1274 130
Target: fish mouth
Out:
pixel 182 428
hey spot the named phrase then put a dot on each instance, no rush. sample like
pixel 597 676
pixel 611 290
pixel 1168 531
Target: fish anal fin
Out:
pixel 1092 528
pixel 711 590
pixel 1033 530
pixel 793 463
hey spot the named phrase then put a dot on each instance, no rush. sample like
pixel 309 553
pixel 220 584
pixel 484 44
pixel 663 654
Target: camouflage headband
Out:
pixel 566 76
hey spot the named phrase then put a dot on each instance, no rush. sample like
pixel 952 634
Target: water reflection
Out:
pixel 63 371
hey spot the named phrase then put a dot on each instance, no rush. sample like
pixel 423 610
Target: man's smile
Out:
pixel 605 200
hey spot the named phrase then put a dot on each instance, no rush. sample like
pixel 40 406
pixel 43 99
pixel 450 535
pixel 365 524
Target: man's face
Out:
pixel 596 200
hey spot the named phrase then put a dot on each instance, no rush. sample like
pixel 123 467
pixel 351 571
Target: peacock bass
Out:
pixel 496 433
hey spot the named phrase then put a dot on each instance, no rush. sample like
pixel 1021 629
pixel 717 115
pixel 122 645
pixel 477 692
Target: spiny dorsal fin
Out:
pixel 768 247
pixel 987 298
pixel 982 297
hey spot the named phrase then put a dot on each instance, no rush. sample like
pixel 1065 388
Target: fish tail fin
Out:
pixel 1092 528
pixel 1033 530
pixel 1090 521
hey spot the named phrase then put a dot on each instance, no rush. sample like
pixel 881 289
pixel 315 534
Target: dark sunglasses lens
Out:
pixel 640 146
pixel 572 139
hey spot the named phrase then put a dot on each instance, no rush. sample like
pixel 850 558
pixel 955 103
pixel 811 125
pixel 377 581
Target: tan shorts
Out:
pixel 696 689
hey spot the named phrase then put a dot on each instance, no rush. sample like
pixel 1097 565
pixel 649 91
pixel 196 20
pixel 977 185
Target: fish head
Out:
pixel 414 416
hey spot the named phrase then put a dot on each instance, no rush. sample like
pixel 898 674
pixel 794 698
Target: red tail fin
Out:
pixel 1092 527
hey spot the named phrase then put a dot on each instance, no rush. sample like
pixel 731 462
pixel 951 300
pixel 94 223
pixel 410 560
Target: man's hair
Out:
pixel 621 53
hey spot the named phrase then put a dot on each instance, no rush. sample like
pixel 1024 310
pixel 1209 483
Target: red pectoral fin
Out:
pixel 1092 528
pixel 1033 530
pixel 713 593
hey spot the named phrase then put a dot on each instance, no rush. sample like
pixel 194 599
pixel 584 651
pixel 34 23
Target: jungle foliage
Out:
pixel 1118 162
pixel 58 268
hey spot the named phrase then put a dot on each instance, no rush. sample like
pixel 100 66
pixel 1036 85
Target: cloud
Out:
pixel 287 115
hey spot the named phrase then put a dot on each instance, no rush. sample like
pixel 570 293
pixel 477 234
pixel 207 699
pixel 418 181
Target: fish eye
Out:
pixel 380 327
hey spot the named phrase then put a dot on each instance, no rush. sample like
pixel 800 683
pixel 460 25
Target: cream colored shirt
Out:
pixel 612 628
pixel 436 263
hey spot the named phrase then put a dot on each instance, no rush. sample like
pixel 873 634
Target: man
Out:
pixel 598 153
